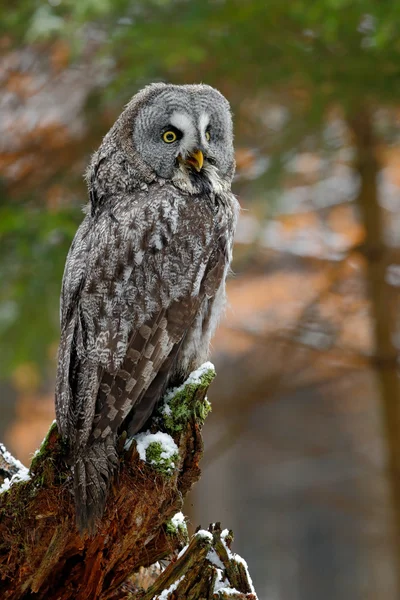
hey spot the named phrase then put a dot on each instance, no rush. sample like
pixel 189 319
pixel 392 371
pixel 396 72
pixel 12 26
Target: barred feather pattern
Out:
pixel 143 288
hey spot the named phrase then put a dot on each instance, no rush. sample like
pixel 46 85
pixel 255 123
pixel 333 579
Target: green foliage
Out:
pixel 33 247
pixel 340 50
pixel 304 56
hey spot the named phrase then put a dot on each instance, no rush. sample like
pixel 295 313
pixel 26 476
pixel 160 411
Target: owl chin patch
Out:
pixel 202 182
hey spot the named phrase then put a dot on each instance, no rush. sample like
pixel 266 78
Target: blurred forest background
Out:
pixel 303 445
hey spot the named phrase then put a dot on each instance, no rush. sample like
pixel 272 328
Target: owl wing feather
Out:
pixel 150 356
pixel 132 287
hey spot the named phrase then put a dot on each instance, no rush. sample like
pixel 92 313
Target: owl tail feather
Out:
pixel 94 467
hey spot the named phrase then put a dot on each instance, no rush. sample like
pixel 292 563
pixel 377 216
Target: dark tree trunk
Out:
pixel 384 302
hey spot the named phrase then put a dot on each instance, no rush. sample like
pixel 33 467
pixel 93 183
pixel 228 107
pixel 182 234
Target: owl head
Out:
pixel 188 125
pixel 181 133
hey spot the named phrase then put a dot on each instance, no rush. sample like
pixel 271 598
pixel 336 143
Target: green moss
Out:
pixel 162 464
pixel 47 465
pixel 187 402
pixel 44 449
pixel 170 528
pixel 177 530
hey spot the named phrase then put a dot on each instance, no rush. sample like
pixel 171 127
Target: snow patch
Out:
pixel 182 552
pixel 228 591
pixel 167 410
pixel 178 520
pixel 213 557
pixel 205 534
pixel 237 559
pixel 220 582
pixel 166 593
pixel 194 378
pixel 22 475
pixel 241 560
pixel 169 448
pixel 144 440
pixel 224 535
pixel 9 458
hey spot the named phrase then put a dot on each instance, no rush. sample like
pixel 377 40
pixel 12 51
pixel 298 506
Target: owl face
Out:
pixel 185 129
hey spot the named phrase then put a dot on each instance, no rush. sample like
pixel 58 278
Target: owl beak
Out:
pixel 196 160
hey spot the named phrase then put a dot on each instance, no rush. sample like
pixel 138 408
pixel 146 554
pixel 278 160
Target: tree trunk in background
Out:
pixel 383 313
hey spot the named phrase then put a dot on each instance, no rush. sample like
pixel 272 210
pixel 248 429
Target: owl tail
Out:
pixel 94 467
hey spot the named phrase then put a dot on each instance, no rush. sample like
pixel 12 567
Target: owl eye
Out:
pixel 169 137
pixel 208 136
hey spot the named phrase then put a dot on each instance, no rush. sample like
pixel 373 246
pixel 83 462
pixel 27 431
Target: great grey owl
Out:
pixel 144 281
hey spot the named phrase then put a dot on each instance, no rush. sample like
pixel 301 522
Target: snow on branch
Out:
pixel 205 568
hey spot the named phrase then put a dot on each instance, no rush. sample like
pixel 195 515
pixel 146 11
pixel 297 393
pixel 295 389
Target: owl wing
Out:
pixel 134 281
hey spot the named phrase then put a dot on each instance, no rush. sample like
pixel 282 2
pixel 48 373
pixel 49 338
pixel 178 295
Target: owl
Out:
pixel 144 280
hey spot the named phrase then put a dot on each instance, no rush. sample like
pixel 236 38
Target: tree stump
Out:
pixel 43 556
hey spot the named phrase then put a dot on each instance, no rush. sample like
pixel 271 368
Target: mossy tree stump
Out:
pixel 42 555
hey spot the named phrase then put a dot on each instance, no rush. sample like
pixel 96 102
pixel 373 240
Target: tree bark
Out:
pixel 42 555
pixel 383 305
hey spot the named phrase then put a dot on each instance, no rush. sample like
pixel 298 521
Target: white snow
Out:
pixel 224 535
pixel 241 560
pixel 167 410
pixel 178 520
pixel 164 595
pixel 215 559
pixel 182 552
pixel 205 534
pixel 143 441
pixel 21 475
pixel 9 458
pixel 194 378
pixel 221 580
pixel 228 591
pixel 237 559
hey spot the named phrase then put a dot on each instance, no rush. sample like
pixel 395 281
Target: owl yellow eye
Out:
pixel 208 136
pixel 169 137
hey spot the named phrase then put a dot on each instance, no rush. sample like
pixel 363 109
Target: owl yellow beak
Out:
pixel 196 160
